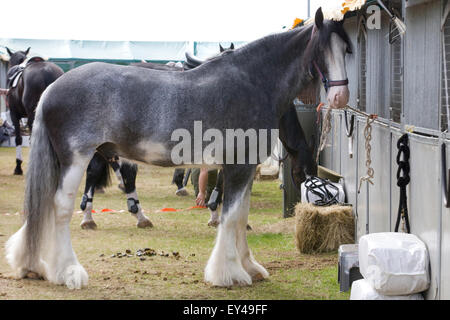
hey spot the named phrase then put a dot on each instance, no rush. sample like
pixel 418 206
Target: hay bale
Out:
pixel 323 229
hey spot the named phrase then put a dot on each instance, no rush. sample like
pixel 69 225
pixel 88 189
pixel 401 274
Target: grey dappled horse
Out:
pixel 132 112
pixel 98 173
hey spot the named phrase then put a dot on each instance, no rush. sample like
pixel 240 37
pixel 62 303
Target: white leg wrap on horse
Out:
pixel 19 153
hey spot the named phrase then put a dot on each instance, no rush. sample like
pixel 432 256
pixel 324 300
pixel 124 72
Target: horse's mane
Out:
pixel 247 51
pixel 313 45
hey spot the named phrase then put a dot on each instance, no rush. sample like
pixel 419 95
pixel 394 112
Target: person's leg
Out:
pixel 178 179
pixel 212 179
pixel 202 187
pixel 195 173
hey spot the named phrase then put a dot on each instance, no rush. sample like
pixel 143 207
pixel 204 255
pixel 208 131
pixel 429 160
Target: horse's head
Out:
pixel 294 141
pixel 193 62
pixel 17 57
pixel 325 56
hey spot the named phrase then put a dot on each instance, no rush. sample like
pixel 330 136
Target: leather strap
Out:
pixel 329 83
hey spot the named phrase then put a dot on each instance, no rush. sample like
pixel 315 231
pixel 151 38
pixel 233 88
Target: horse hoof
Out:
pixel 227 276
pixel 88 225
pixel 181 192
pixel 213 223
pixel 256 271
pixel 145 224
pixel 33 276
pixel 122 187
pixel 18 172
pixel 258 277
pixel 75 277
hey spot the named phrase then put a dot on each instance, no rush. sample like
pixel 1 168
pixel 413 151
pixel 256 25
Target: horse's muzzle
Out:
pixel 338 96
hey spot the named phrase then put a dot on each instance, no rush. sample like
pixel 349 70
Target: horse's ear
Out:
pixel 9 51
pixel 232 46
pixel 27 51
pixel 319 18
pixel 221 48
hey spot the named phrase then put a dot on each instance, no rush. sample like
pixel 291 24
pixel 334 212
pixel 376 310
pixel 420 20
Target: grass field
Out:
pixel 292 275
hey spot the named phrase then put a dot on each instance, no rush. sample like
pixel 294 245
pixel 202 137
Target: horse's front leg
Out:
pixel 16 122
pixel 231 261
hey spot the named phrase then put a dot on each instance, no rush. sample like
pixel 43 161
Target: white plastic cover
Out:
pixel 394 263
pixel 362 290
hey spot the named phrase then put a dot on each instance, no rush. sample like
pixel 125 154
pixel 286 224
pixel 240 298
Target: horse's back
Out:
pixel 42 73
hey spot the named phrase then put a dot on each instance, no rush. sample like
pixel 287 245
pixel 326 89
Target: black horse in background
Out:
pixel 26 80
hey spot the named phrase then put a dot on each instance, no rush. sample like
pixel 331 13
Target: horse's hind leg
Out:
pixel 62 264
pixel 229 262
pixel 96 173
pixel 129 172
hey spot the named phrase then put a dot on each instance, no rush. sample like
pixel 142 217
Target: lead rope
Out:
pixel 403 180
pixel 326 128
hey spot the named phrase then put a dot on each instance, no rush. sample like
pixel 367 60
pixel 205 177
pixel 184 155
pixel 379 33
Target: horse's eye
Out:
pixel 349 51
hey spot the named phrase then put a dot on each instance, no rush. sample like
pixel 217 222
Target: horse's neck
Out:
pixel 276 63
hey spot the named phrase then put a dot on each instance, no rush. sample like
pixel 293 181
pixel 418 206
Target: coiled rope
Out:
pixel 403 180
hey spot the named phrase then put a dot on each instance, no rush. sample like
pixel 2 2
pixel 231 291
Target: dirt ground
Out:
pixel 181 241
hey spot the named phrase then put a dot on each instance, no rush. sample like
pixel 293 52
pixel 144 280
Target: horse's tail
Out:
pixel 100 169
pixel 23 249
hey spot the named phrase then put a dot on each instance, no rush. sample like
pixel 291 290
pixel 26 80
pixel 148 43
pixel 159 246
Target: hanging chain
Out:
pixel 326 128
pixel 368 138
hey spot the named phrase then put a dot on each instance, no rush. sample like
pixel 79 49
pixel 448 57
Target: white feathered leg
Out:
pixel 225 266
pixel 62 264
